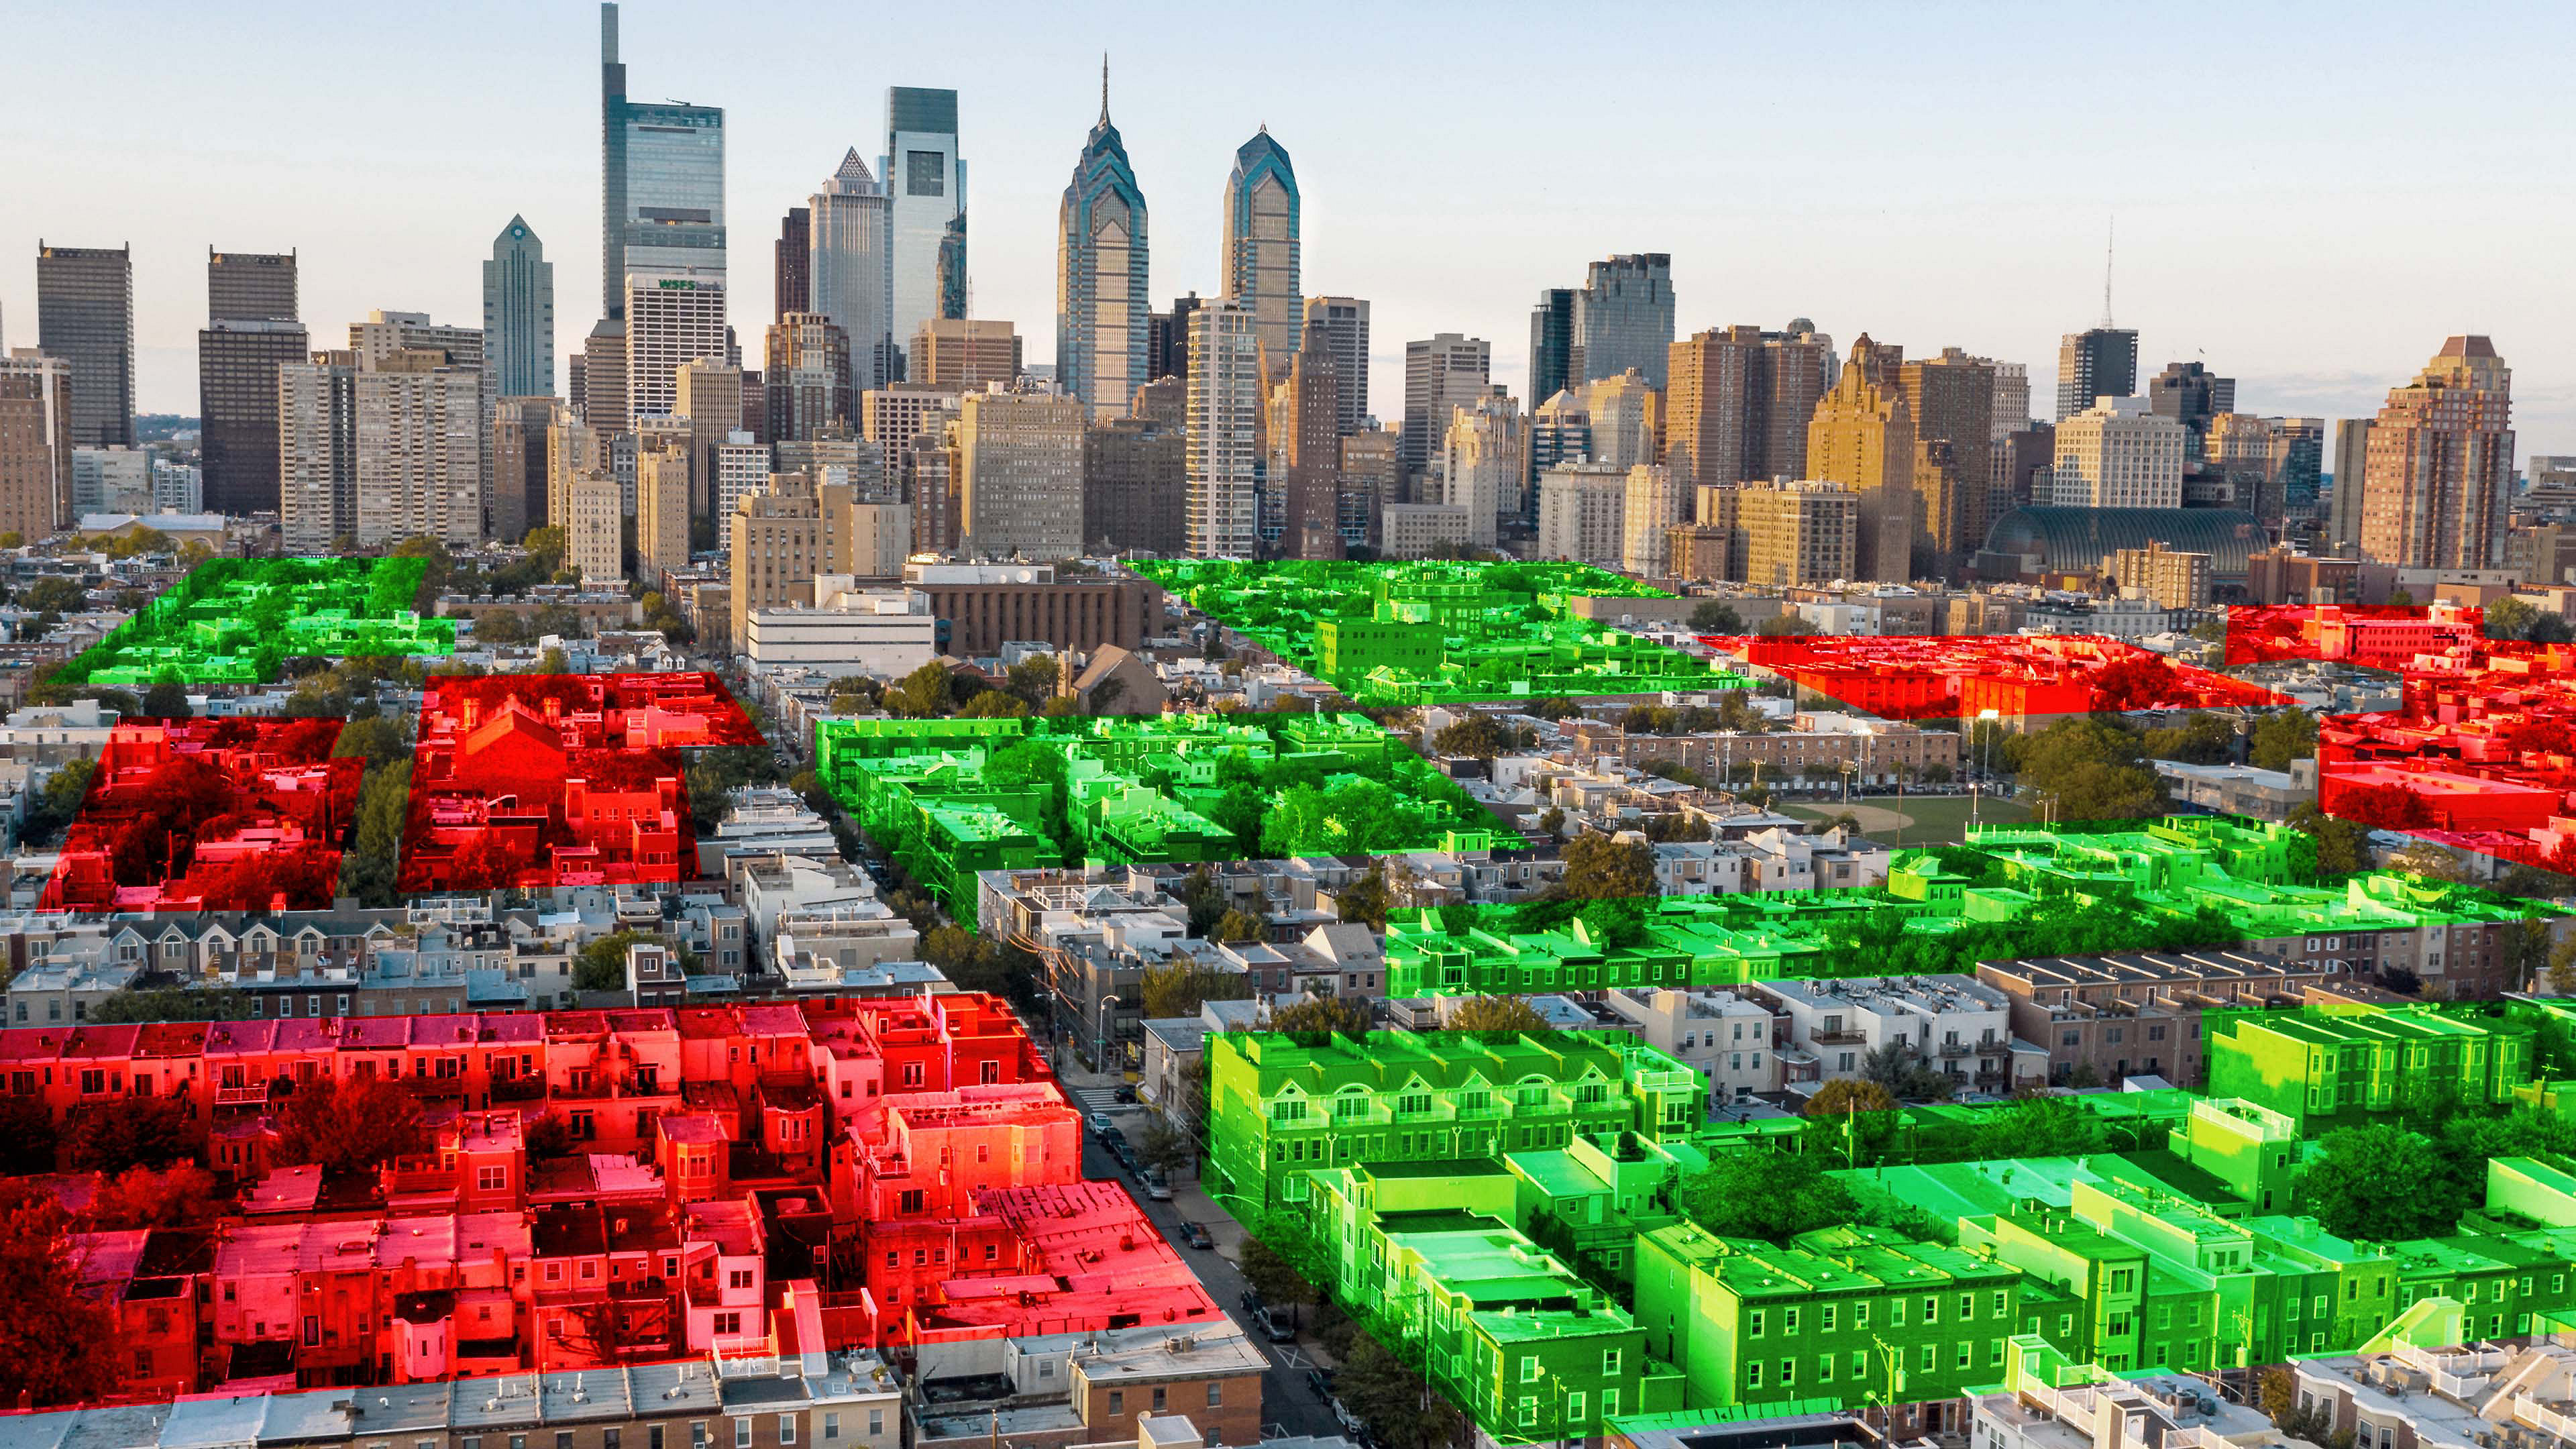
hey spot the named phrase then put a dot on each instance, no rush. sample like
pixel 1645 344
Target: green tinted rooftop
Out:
pixel 236 621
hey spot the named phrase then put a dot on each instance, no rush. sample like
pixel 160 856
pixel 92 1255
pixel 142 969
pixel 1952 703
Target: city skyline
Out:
pixel 2254 268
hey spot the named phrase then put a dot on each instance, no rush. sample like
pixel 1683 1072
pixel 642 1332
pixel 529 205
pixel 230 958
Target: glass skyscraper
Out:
pixel 1101 308
pixel 661 182
pixel 1261 262
pixel 519 313
pixel 927 185
pixel 1623 318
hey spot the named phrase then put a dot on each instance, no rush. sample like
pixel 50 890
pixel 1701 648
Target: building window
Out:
pixel 1117 1402
pixel 742 1434
pixel 876 1422
pixel 787 1428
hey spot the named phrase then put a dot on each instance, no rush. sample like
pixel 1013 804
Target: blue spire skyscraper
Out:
pixel 1261 219
pixel 1101 309
pixel 519 313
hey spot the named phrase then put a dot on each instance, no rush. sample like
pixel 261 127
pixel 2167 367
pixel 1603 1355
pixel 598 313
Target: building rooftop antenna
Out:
pixel 2110 247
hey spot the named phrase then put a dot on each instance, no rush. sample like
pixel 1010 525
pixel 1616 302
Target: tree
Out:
pixel 1270 1274
pixel 1598 868
pixel 52 807
pixel 351 1126
pixel 2381 1182
pixel 174 1003
pixel 2401 599
pixel 1473 735
pixel 166 699
pixel 1764 1194
pixel 27 1135
pixel 1715 616
pixel 1906 1073
pixel 2037 1125
pixel 2201 739
pixel 1237 926
pixel 2510 618
pixel 58 1345
pixel 1178 989
pixel 1401 1410
pixel 1498 1014
pixel 2342 846
pixel 2427 861
pixel 2282 737
pixel 2091 767
pixel 134 1132
pixel 55 594
pixel 179 1196
pixel 1553 822
pixel 2562 968
pixel 1365 899
pixel 1320 1016
pixel 1784 626
pixel 500 626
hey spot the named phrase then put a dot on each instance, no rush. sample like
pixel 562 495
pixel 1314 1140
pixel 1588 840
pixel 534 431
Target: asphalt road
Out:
pixel 1285 1399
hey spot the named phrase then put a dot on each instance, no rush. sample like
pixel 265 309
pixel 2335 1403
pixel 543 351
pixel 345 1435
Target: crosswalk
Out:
pixel 1096 1099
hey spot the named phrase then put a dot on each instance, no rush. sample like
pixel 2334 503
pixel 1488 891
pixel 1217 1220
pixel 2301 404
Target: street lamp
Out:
pixel 1100 1033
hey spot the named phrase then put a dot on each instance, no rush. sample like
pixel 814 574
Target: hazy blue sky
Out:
pixel 2310 197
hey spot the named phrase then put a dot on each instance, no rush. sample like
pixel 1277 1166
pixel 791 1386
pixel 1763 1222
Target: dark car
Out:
pixel 1272 1327
pixel 1251 1301
pixel 1122 1093
pixel 1320 1381
pixel 1196 1236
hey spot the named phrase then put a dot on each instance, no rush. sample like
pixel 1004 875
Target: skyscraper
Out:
pixel 1261 265
pixel 671 320
pixel 519 313
pixel 2191 394
pixel 1135 486
pixel 709 394
pixel 1485 464
pixel 1625 414
pixel 2117 454
pixel 661 181
pixel 853 269
pixel 1100 293
pixel 1306 450
pixel 962 353
pixel 35 443
pixel 85 316
pixel 1739 402
pixel 1623 318
pixel 419 448
pixel 1552 344
pixel 1344 331
pixel 522 430
pixel 2096 363
pixel 1862 437
pixel 1167 340
pixel 927 184
pixel 1655 502
pixel 2351 464
pixel 1442 373
pixel 2439 475
pixel 1019 475
pixel 250 332
pixel 791 281
pixel 806 376
pixel 1952 398
pixel 1222 454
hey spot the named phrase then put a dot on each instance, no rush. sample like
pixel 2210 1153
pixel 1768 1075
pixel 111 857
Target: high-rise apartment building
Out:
pixel 35 443
pixel 2168 578
pixel 523 429
pixel 1223 453
pixel 85 317
pixel 1306 451
pixel 853 269
pixel 709 395
pixel 1101 305
pixel 1341 326
pixel 1797 531
pixel 1019 475
pixel 419 448
pixel 955 352
pixel 926 466
pixel 672 319
pixel 1370 480
pixel 661 183
pixel 385 333
pixel 1261 264
pixel 1582 513
pixel 926 183
pixel 892 416
pixel 594 538
pixel 317 451
pixel 1442 373
pixel 741 467
pixel 1655 502
pixel 791 275
pixel 2351 466
pixel 2438 479
pixel 2191 394
pixel 2239 447
pixel 1952 399
pixel 1740 399
pixel 110 480
pixel 1623 318
pixel 1560 432
pixel 251 330
pixel 600 391
pixel 2012 396
pixel 1167 340
pixel 574 448
pixel 2097 363
pixel 1485 464
pixel 2018 471
pixel 2118 454
pixel 806 380
pixel 1862 436
pixel 774 539
pixel 1625 418
pixel 1552 344
pixel 2298 465
pixel 519 313
pixel 1135 487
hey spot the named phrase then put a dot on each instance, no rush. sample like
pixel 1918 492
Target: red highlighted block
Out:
pixel 2375 637
pixel 1917 677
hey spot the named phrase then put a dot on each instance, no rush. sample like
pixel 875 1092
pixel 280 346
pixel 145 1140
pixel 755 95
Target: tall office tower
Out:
pixel 957 353
pixel 928 186
pixel 1797 531
pixel 1862 437
pixel 1167 340
pixel 577 378
pixel 1344 324
pixel 2298 465
pixel 2191 394
pixel 110 480
pixel 419 448
pixel 1952 399
pixel 774 538
pixel 385 333
pixel 317 453
pixel 1655 502
pixel 927 469
pixel 661 183
pixel 1485 459
pixel 1370 479
pixel 85 316
pixel 2351 465
pixel 1261 265
pixel 1442 374
pixel 791 281
pixel 1797 366
pixel 1135 487
pixel 2117 454
pixel 1552 343
pixel 853 265
pixel 709 395
pixel 1101 305
pixel 519 313
pixel 36 419
pixel 755 404
pixel 1165 400
pixel 1625 414
pixel 895 415
pixel 250 332
pixel 1223 452
pixel 521 430
pixel 2018 472
pixel 1623 318
pixel 573 448
pixel 2239 448
pixel 738 468
pixel 807 376
pixel 1740 399
pixel 671 319
pixel 1306 451
pixel 1019 475
pixel 1582 510
pixel 2012 397
pixel 594 543
pixel 1560 432
pixel 2099 363
pixel 1938 504
pixel 2439 475
pixel 602 395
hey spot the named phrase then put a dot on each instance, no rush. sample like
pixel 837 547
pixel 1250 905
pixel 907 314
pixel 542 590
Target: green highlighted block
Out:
pixel 1395 634
pixel 950 798
pixel 236 621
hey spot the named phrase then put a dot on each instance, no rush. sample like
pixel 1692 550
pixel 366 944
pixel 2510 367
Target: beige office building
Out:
pixel 775 544
pixel 964 354
pixel 1797 532
pixel 2170 579
pixel 2117 454
pixel 1019 475
pixel 1862 436
pixel 1626 415
pixel 1655 502
pixel 662 513
pixel 671 319
pixel 709 395
pixel 594 540
pixel 895 415
pixel 1582 509
pixel 1485 464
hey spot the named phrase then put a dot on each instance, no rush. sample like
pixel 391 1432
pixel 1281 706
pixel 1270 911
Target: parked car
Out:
pixel 1320 1381
pixel 1251 1301
pixel 1122 1093
pixel 1272 1327
pixel 1196 1236
pixel 1102 1127
pixel 1155 1187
